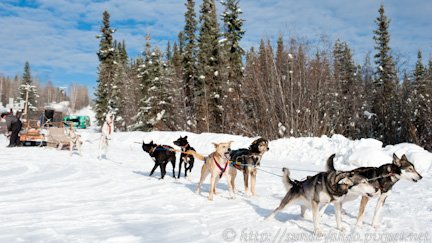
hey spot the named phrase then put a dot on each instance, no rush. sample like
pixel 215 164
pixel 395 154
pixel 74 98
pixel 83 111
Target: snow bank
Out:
pixel 349 153
pixel 48 195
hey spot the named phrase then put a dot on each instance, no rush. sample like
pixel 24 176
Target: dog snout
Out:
pixel 268 148
pixel 229 149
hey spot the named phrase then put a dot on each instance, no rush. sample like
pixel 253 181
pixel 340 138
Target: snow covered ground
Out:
pixel 47 195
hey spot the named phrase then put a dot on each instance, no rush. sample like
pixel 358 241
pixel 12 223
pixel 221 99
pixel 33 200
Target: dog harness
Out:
pixel 220 167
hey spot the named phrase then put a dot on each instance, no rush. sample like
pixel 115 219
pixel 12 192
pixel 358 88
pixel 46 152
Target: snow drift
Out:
pixel 48 195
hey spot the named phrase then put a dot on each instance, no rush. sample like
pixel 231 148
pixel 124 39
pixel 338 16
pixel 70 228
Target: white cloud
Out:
pixel 58 37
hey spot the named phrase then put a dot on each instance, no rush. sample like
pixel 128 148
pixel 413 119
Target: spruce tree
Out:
pixel 106 70
pixel 422 95
pixel 27 90
pixel 384 103
pixel 208 90
pixel 189 61
pixel 233 64
pixel 144 75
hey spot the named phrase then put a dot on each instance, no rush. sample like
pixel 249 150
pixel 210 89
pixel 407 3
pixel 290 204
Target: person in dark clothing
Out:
pixel 14 126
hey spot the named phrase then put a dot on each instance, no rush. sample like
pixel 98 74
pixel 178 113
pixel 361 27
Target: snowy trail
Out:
pixel 48 196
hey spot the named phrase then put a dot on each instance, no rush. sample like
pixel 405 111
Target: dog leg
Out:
pixel 316 218
pixel 323 209
pixel 378 209
pixel 361 212
pixel 191 164
pixel 303 210
pixel 230 187
pixel 253 180
pixel 246 181
pixel 233 172
pixel 70 148
pixel 212 187
pixel 204 173
pixel 288 200
pixel 163 170
pixel 180 167
pixel 154 168
pixel 173 162
pixel 338 212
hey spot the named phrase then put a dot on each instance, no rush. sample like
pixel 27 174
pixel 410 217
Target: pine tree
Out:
pixel 385 103
pixel 144 74
pixel 27 90
pixel 422 95
pixel 233 65
pixel 189 61
pixel 121 86
pixel 157 97
pixel 208 91
pixel 106 70
pixel 347 88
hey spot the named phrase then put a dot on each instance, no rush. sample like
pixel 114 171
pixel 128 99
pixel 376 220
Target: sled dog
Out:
pixel 247 161
pixel 324 187
pixel 382 179
pixel 216 164
pixel 187 159
pixel 161 155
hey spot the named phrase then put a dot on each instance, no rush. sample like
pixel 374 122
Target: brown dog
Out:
pixel 247 161
pixel 217 165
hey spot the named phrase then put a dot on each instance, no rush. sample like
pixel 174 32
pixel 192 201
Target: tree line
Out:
pixel 206 82
pixel 41 95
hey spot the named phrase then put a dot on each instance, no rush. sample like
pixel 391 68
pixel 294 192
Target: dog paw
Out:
pixel 210 198
pixel 342 229
pixel 359 225
pixel 318 233
pixel 376 226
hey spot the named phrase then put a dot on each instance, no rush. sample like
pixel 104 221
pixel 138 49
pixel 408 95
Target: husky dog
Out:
pixel 246 160
pixel 75 141
pixel 216 165
pixel 382 179
pixel 188 159
pixel 161 155
pixel 107 131
pixel 324 187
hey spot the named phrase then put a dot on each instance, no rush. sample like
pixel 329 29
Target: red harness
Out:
pixel 220 167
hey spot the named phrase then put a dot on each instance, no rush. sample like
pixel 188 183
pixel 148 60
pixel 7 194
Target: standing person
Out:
pixel 107 131
pixel 14 126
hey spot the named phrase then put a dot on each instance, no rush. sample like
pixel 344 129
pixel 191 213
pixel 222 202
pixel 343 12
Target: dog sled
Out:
pixel 36 131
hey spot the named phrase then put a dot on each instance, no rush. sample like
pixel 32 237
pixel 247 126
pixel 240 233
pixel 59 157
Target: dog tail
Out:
pixel 330 163
pixel 196 155
pixel 286 179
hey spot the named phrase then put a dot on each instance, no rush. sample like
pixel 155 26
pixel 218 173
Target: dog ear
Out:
pixel 396 160
pixel 404 157
pixel 185 137
pixel 215 144
pixel 346 181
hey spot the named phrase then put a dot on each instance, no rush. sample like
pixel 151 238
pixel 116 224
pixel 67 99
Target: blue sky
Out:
pixel 57 37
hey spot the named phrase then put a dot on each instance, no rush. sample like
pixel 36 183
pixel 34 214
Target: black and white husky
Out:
pixel 323 188
pixel 382 179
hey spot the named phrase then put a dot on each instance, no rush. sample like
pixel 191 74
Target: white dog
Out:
pixel 75 140
pixel 107 131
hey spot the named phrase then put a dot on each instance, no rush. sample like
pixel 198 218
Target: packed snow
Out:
pixel 47 195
